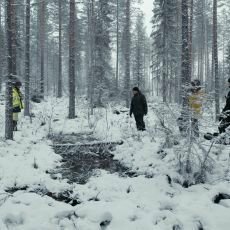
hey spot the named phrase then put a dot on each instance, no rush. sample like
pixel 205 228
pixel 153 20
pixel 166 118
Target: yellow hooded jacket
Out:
pixel 195 102
pixel 17 99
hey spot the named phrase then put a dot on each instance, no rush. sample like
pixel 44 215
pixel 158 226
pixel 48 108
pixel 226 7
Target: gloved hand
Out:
pixel 222 116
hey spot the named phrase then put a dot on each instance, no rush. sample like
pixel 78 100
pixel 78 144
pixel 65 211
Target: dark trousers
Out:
pixel 195 127
pixel 15 128
pixel 139 118
pixel 224 124
pixel 183 124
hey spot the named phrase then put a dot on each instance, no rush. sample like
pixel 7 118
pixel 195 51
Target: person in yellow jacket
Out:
pixel 195 101
pixel 17 103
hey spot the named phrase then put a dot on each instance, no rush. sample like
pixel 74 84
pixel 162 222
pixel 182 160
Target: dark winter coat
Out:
pixel 225 116
pixel 138 105
pixel 227 106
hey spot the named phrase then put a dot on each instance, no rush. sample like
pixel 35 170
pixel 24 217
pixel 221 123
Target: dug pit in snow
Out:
pixel 221 196
pixel 81 159
pixel 65 197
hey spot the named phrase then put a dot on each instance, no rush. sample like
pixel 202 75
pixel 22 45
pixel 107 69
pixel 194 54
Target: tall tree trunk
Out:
pixel 222 80
pixel 199 61
pixel 11 65
pixel 127 53
pixel 207 70
pixel 37 85
pixel 54 70
pixel 27 61
pixel 158 77
pixel 1 55
pixel 60 50
pixel 88 49
pixel 47 59
pixel 72 54
pixel 202 43
pixel 117 47
pixel 185 65
pixel 91 54
pixel 213 71
pixel 138 80
pixel 42 46
pixel 215 59
pixel 165 56
pixel 178 69
pixel 190 39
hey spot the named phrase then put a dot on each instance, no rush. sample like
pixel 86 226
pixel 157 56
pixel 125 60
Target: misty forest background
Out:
pixel 100 49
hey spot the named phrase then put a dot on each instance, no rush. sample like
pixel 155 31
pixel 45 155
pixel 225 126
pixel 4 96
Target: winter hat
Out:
pixel 136 89
pixel 195 82
pixel 195 85
pixel 18 84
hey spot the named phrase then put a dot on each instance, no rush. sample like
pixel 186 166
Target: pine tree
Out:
pixel 185 76
pixel 11 66
pixel 91 51
pixel 165 42
pixel 60 49
pixel 215 58
pixel 2 49
pixel 139 56
pixel 72 56
pixel 102 49
pixel 227 58
pixel 27 61
pixel 42 21
pixel 117 43
pixel 127 39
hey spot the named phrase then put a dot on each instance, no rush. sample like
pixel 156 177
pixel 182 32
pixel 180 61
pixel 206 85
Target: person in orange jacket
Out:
pixel 195 101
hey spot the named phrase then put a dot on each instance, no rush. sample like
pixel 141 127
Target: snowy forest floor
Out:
pixel 34 194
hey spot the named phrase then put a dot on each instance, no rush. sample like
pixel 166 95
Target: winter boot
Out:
pixel 15 128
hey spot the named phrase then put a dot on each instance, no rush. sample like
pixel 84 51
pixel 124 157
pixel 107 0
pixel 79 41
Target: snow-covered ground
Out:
pixel 145 202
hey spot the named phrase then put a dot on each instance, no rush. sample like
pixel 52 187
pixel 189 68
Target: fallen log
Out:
pixel 91 144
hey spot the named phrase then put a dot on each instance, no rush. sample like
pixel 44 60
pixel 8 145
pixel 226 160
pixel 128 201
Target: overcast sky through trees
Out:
pixel 147 8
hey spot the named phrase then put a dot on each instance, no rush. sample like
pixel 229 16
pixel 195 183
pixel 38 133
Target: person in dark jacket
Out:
pixel 225 115
pixel 138 108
